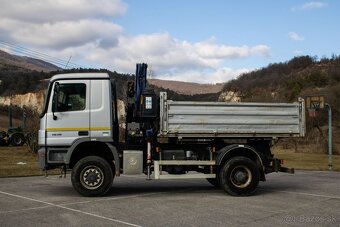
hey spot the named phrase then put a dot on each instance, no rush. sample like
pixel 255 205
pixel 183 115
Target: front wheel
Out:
pixel 92 176
pixel 240 176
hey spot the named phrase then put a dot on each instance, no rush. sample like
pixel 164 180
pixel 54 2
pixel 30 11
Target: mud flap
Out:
pixel 276 167
pixel 287 170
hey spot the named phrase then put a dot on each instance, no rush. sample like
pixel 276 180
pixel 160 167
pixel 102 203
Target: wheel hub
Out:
pixel 17 140
pixel 92 177
pixel 241 176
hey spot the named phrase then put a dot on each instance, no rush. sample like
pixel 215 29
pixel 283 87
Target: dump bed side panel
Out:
pixel 222 119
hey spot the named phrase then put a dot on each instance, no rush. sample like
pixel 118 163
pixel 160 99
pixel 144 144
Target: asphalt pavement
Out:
pixel 306 198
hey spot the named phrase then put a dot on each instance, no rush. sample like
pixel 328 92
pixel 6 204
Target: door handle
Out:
pixel 83 133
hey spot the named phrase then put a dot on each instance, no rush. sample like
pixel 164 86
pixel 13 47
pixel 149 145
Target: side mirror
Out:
pixel 55 99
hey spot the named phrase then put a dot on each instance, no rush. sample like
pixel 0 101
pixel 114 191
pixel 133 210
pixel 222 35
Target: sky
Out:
pixel 186 40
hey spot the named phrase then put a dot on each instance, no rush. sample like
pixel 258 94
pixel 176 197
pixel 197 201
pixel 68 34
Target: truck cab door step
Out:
pixel 83 133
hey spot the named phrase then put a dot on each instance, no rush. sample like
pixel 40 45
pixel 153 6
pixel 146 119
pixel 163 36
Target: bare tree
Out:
pixel 32 129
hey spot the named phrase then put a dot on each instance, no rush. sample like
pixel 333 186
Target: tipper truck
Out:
pixel 228 144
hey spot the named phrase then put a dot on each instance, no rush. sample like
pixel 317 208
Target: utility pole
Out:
pixel 68 62
pixel 330 164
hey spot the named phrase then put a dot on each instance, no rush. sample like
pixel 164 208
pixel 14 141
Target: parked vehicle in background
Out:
pixel 14 136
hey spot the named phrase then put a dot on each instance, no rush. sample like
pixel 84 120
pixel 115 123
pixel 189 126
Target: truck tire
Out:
pixel 239 176
pixel 92 176
pixel 17 139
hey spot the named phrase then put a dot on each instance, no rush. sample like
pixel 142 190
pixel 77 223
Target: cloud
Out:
pixel 169 55
pixel 86 30
pixel 309 6
pixel 219 75
pixel 42 11
pixel 297 52
pixel 211 50
pixel 313 5
pixel 296 37
pixel 60 24
pixel 61 34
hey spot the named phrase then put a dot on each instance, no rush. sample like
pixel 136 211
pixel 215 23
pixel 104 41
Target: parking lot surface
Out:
pixel 303 199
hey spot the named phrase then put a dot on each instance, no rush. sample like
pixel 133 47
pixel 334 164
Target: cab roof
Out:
pixel 77 76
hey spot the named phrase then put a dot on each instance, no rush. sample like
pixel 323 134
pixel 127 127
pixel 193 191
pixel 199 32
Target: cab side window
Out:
pixel 71 97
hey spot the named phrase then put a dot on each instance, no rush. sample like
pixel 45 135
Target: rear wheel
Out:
pixel 17 139
pixel 240 176
pixel 92 176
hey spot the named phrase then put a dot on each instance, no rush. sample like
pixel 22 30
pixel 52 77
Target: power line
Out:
pixel 38 55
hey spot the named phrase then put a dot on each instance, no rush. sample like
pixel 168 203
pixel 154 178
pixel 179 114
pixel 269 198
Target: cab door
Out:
pixel 68 115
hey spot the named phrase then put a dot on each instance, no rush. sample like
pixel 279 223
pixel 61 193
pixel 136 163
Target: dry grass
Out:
pixel 11 156
pixel 305 161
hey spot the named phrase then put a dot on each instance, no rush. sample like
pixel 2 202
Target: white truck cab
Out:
pixel 81 109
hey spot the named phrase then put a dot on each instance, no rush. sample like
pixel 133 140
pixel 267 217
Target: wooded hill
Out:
pixel 22 62
pixel 285 82
pixel 300 77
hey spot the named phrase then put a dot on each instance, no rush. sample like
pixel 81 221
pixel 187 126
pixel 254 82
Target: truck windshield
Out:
pixel 46 98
